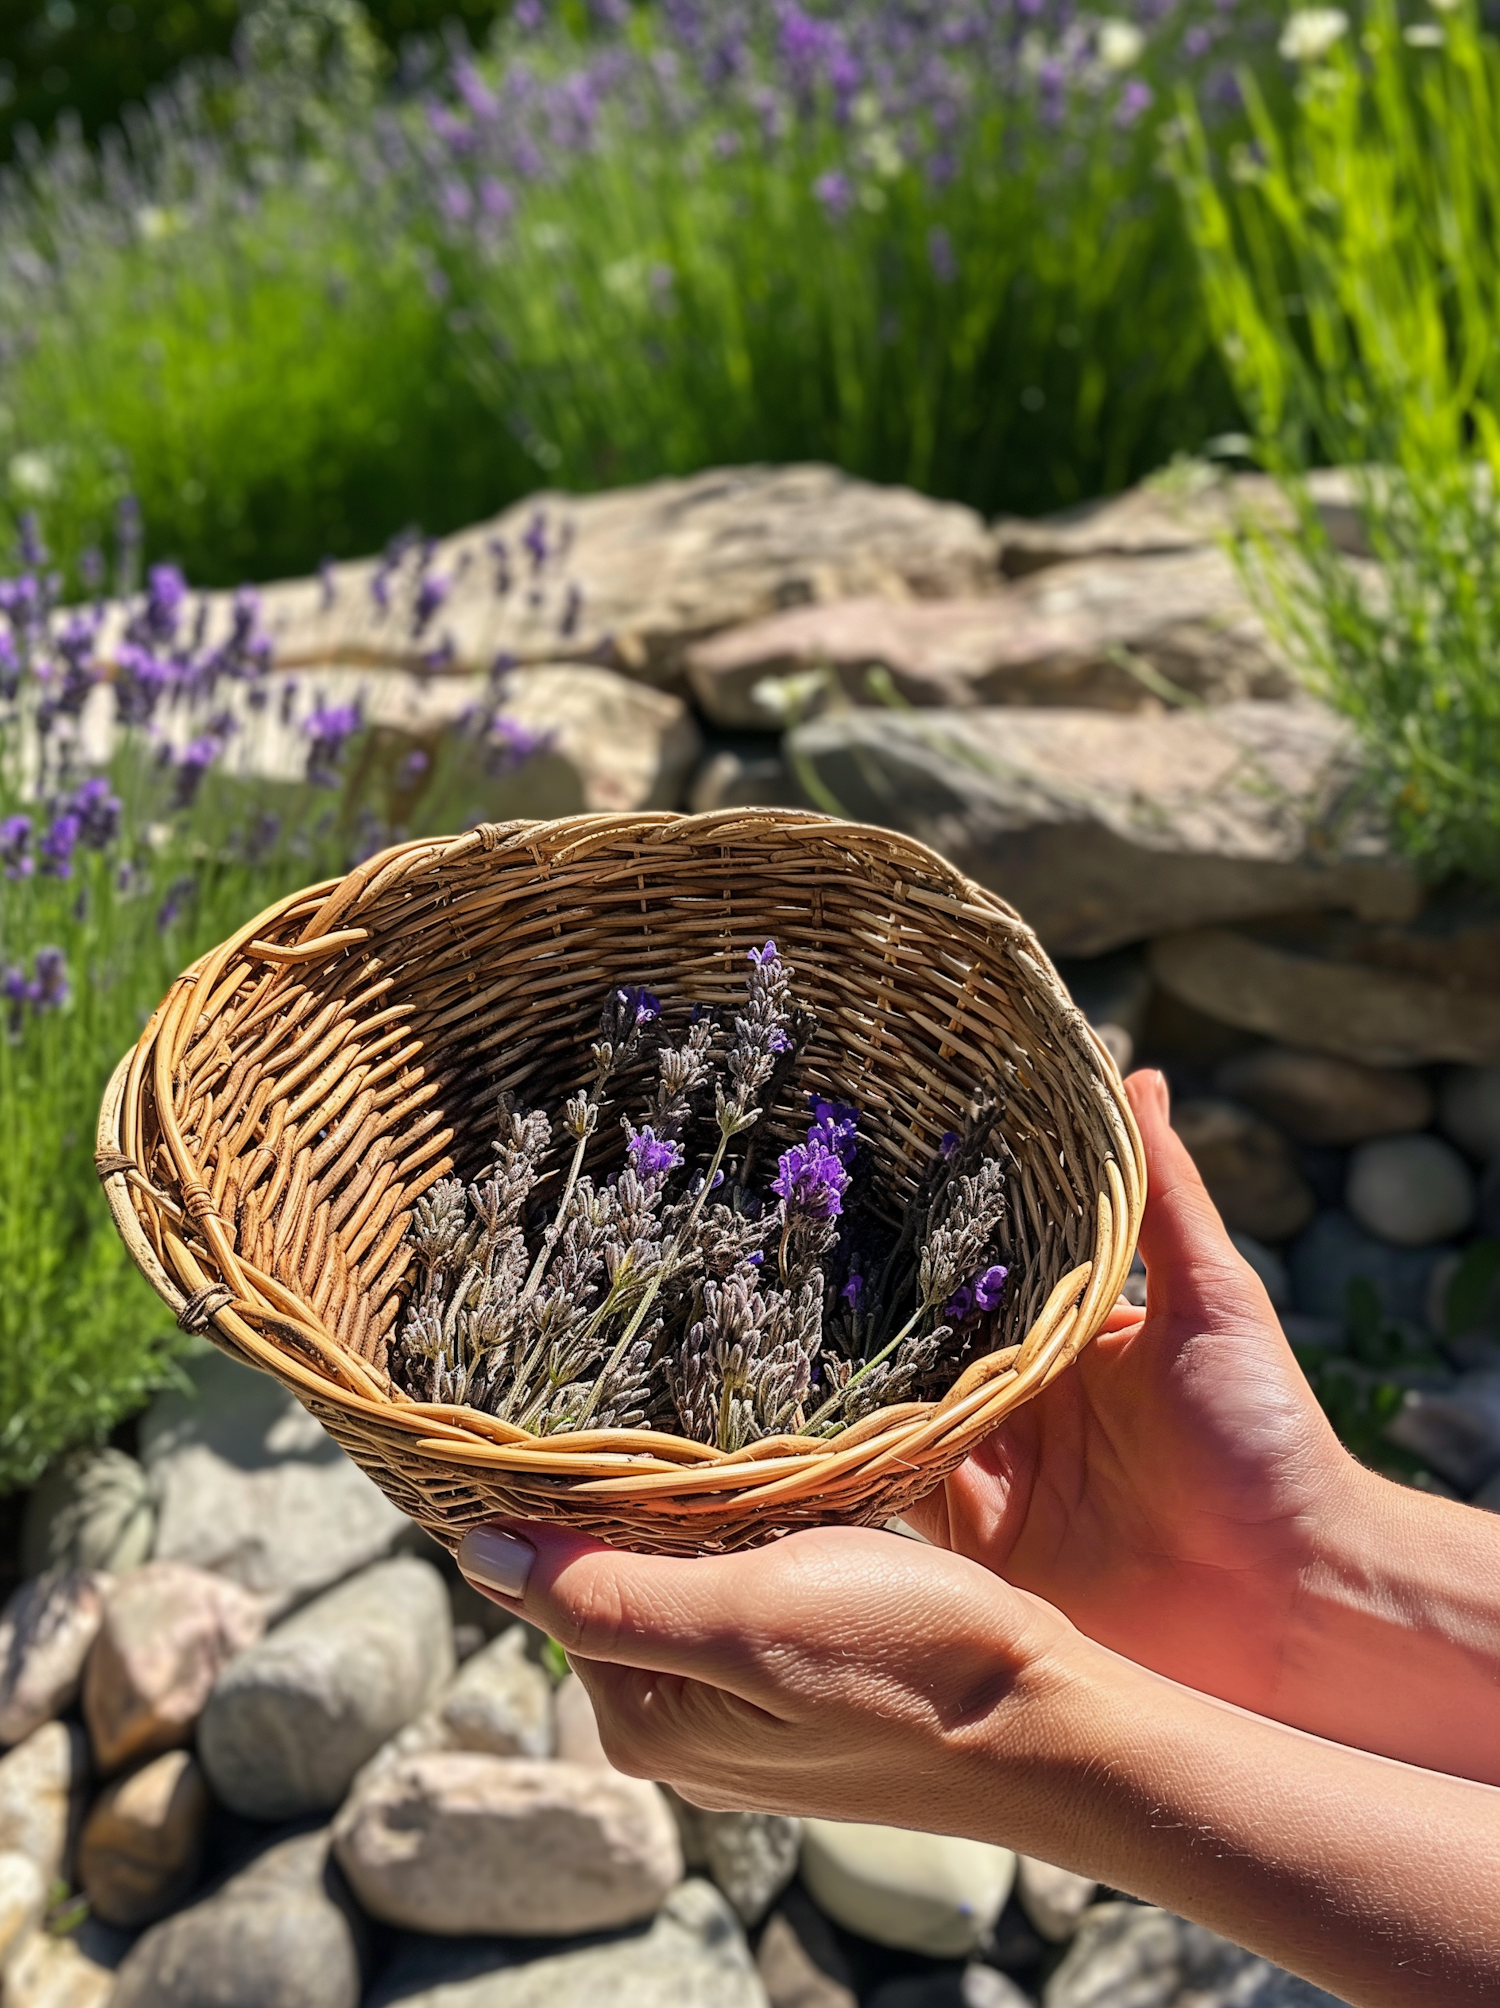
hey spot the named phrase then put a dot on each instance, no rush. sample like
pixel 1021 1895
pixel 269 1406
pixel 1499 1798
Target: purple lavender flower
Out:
pixel 534 540
pixel 989 1286
pixel 10 668
pixel 1135 99
pixel 643 1004
pixel 835 192
pixel 58 845
pixel 412 768
pixel 511 744
pixel 166 590
pixel 652 1156
pixel 834 1127
pixel 91 569
pixel 50 989
pixel 29 537
pixel 15 847
pixel 191 765
pixel 329 729
pixel 178 893
pixel 328 584
pixel 567 626
pixel 948 1143
pixel 432 591
pixel 96 809
pixel 940 255
pixel 139 681
pixel 960 1305
pixel 811 1179
pixel 853 1290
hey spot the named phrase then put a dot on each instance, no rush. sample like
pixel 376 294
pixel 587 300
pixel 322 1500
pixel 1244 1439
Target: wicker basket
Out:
pixel 303 1084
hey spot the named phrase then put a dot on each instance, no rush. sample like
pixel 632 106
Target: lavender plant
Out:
pixel 118 864
pixel 685 1291
pixel 293 305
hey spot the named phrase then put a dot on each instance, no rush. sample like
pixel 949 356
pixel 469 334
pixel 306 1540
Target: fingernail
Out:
pixel 495 1560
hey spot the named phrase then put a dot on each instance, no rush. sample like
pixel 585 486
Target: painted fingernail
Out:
pixel 496 1561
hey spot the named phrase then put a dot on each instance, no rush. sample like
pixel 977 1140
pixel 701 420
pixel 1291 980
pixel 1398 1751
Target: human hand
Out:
pixel 857 1676
pixel 769 1678
pixel 1171 1490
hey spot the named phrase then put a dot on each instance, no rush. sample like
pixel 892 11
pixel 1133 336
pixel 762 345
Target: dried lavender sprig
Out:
pixel 760 1035
pixel 625 1011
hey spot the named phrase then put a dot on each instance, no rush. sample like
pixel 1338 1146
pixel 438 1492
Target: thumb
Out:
pixel 1194 1271
pixel 662 1613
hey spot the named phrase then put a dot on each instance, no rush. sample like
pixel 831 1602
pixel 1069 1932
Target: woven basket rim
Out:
pixel 236 1306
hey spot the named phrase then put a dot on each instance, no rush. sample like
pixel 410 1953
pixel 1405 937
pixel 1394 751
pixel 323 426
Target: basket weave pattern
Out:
pixel 305 1082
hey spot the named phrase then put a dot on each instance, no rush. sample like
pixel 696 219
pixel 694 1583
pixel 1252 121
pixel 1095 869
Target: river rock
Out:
pixel 166 1633
pixel 735 778
pixel 499 1701
pixel 1410 1190
pixel 281 1933
pixel 46 1630
pixel 1101 632
pixel 1324 1261
pixel 142 1843
pixel 972 1986
pixel 250 1487
pixel 1381 992
pixel 1248 1167
pixel 1183 508
pixel 90 1510
pixel 751 1856
pixel 50 1972
pixel 1323 1100
pixel 1130 1952
pixel 800 1960
pixel 23 1899
pixel 1269 1267
pixel 1469 1110
pixel 1053 1899
pixel 456 1841
pixel 693 1956
pixel 42 1783
pixel 1106 829
pixel 291 1721
pixel 1455 1431
pixel 577 1725
pixel 931 1893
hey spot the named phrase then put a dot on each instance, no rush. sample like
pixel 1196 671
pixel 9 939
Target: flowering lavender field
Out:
pixel 299 303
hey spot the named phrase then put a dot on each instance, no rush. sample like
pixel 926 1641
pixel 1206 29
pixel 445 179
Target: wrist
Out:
pixel 1393 1642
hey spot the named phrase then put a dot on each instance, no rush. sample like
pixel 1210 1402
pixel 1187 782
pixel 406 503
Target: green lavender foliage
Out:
pixel 1350 257
pixel 83 1339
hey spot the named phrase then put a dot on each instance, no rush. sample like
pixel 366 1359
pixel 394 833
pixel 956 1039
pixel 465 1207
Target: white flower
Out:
pixel 1120 44
pixel 33 478
pixel 1424 35
pixel 153 221
pixel 1311 32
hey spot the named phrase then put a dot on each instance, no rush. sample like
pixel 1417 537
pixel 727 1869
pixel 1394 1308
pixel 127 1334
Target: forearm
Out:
pixel 1393 1639
pixel 1370 1878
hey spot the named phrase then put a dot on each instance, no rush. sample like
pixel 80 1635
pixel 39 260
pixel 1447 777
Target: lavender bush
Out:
pixel 897 236
pixel 711 1286
pixel 117 865
pixel 295 305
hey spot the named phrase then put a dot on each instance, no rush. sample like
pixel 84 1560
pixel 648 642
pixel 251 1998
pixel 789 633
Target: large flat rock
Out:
pixel 1385 993
pixel 629 577
pixel 1105 828
pixel 1183 507
pixel 1113 631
